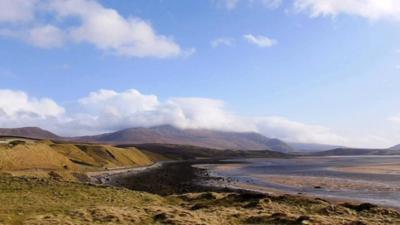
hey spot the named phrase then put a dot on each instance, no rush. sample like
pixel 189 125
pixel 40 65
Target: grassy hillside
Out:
pixel 19 156
pixel 40 201
pixel 179 152
pixel 69 161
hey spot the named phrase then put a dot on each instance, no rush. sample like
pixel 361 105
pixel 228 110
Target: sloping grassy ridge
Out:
pixel 66 160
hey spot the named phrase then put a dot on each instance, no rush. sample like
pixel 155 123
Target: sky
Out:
pixel 312 71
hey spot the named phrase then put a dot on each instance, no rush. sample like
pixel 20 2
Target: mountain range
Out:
pixel 203 138
pixel 166 135
pixel 311 147
pixel 396 147
pixel 196 137
pixel 29 132
pixel 357 152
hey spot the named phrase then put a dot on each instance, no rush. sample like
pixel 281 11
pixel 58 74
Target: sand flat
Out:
pixel 386 168
pixel 327 183
pixel 367 179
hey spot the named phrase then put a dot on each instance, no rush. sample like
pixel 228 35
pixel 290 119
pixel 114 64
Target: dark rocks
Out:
pixel 198 206
pixel 253 204
pixel 207 196
pixel 281 218
pixel 257 220
pixel 15 143
pixel 356 223
pixel 160 217
pixel 335 210
pixel 171 178
pixel 361 207
pixel 246 196
pixel 81 177
pixel 55 176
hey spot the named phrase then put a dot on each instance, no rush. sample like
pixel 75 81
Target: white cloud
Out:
pixel 270 4
pixel 228 4
pixel 124 103
pixel 286 129
pixel 395 119
pixel 8 33
pixel 17 109
pixel 232 4
pixel 93 23
pixel 222 41
pixel 108 30
pixel 260 41
pixel 16 11
pixel 15 103
pixel 370 9
pixel 47 36
pixel 109 110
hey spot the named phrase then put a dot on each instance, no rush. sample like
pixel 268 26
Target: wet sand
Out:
pixel 389 168
pixel 325 177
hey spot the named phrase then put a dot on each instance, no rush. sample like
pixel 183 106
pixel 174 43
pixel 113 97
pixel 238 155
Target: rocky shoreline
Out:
pixel 182 177
pixel 170 178
pixel 103 177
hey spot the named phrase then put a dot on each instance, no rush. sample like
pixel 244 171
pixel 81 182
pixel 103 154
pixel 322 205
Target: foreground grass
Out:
pixel 45 201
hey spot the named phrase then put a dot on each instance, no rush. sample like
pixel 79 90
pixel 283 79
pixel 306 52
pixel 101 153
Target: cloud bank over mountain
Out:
pixel 108 110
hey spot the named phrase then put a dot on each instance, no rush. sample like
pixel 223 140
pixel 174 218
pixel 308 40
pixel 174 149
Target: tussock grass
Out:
pixel 33 156
pixel 42 201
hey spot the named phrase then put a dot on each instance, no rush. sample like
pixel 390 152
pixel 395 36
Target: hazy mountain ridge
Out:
pixel 312 147
pixel 204 138
pixel 357 152
pixel 396 147
pixel 167 135
pixel 29 132
pixel 195 137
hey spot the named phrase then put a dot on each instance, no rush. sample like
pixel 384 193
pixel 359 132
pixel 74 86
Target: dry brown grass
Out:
pixel 67 160
pixel 33 201
pixel 33 156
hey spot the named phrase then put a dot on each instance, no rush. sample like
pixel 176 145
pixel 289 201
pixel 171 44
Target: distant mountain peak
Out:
pixel 396 147
pixel 28 132
pixel 168 134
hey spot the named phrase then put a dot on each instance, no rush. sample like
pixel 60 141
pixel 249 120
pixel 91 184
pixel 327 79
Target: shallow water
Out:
pixel 255 172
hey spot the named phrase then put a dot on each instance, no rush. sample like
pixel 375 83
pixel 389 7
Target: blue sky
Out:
pixel 300 70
